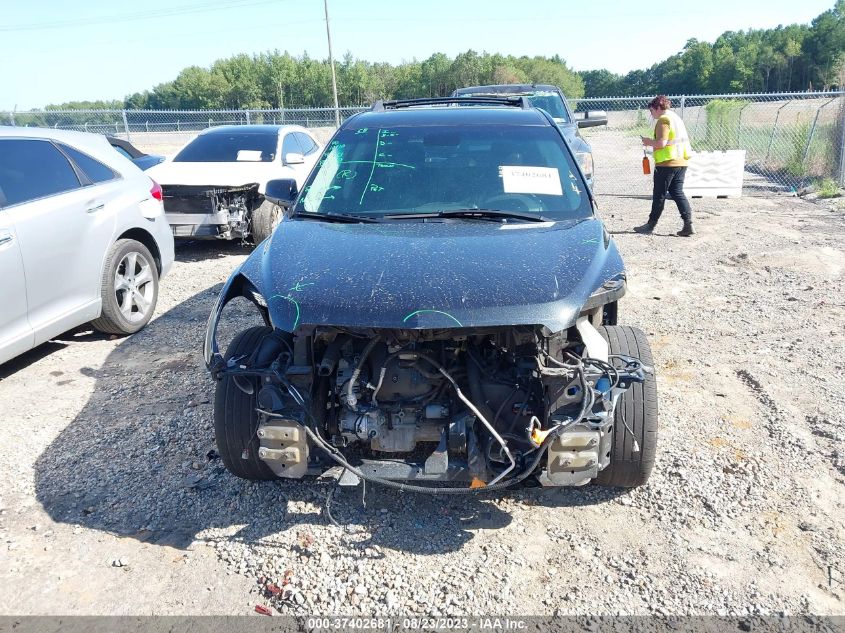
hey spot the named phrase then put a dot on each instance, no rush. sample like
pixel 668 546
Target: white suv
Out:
pixel 83 237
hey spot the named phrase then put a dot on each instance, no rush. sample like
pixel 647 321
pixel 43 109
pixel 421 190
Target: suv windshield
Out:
pixel 547 100
pixel 428 169
pixel 229 148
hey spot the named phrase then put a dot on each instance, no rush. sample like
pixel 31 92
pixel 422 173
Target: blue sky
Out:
pixel 53 51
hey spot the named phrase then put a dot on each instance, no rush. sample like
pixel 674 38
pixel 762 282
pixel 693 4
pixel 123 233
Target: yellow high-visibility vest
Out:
pixel 679 145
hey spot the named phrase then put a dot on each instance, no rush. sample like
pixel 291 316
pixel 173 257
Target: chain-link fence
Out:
pixel 165 131
pixel 790 140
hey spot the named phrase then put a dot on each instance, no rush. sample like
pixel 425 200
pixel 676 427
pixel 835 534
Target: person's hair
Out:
pixel 660 102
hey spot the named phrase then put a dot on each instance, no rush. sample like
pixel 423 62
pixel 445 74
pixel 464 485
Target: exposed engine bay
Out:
pixel 486 407
pixel 210 211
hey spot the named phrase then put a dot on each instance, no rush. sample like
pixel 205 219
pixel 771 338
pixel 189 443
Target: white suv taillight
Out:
pixel 155 192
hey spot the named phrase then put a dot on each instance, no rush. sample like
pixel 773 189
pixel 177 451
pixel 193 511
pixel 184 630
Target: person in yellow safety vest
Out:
pixel 672 152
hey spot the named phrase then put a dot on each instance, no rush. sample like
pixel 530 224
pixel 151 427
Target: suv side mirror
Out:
pixel 281 191
pixel 593 119
pixel 292 158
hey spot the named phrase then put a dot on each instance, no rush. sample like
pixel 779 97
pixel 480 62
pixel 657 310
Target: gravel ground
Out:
pixel 115 502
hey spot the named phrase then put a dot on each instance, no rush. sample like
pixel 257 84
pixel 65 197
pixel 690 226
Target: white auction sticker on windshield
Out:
pixel 252 155
pixel 518 179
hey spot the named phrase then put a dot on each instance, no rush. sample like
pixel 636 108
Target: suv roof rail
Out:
pixel 517 101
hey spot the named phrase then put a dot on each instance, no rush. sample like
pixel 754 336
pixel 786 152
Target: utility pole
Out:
pixel 281 102
pixel 331 61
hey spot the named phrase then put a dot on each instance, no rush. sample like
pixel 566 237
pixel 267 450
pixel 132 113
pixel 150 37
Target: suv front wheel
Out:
pixel 634 435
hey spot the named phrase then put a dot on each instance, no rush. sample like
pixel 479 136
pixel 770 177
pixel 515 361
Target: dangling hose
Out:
pixel 350 397
pixel 338 457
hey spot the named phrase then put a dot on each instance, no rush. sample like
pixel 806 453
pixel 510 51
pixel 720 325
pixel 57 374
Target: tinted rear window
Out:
pixel 229 148
pixel 32 169
pixel 94 169
pixel 120 150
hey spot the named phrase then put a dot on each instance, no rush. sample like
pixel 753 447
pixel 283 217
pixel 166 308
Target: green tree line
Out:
pixel 276 80
pixel 787 58
pixel 790 58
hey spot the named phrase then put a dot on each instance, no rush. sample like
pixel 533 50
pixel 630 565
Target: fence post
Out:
pixel 247 117
pixel 147 125
pixel 842 143
pixel 697 119
pixel 774 129
pixel 12 117
pixel 683 104
pixel 739 142
pixel 126 125
pixel 178 129
pixel 813 132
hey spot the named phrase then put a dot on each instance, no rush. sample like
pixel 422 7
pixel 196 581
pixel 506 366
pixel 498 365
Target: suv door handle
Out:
pixel 6 237
pixel 96 207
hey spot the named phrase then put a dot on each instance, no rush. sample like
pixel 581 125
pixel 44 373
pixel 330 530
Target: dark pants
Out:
pixel 669 180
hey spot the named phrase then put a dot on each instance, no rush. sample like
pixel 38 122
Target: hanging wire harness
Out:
pixel 511 453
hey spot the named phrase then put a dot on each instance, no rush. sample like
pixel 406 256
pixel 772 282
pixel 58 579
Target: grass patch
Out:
pixel 827 188
pixel 724 124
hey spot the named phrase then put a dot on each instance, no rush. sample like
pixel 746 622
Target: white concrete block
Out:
pixel 713 174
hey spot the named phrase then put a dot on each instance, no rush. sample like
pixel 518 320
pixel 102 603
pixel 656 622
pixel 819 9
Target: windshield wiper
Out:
pixel 480 214
pixel 346 218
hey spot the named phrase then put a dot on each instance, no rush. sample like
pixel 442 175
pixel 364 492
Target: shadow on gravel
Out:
pixel 624 232
pixel 81 334
pixel 201 250
pixel 186 251
pixel 28 358
pixel 139 461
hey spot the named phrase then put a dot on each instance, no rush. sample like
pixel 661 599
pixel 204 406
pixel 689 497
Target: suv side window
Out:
pixel 32 169
pixel 308 145
pixel 94 169
pixel 291 145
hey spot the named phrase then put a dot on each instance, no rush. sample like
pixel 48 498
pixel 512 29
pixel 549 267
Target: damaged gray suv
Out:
pixel 440 306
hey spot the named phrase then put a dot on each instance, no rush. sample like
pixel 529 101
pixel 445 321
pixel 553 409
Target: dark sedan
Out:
pixel 142 160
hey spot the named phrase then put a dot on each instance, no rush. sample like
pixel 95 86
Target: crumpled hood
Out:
pixel 218 174
pixel 422 275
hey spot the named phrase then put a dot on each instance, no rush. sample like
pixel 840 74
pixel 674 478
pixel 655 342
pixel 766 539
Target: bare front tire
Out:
pixel 265 218
pixel 635 417
pixel 235 418
pixel 129 289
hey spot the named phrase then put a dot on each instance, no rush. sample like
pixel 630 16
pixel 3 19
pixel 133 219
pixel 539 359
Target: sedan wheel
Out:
pixel 265 218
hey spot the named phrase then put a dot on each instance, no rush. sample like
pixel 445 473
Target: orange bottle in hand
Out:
pixel 646 164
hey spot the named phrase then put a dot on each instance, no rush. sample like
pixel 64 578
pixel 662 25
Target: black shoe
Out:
pixel 648 227
pixel 687 231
